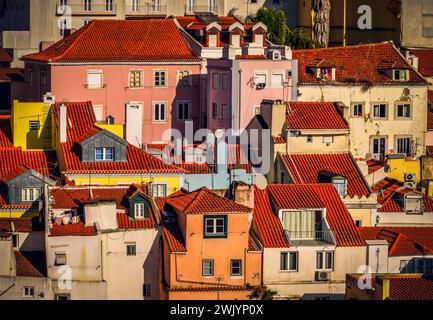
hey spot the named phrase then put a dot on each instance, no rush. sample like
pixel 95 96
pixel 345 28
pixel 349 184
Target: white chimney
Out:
pixel 62 123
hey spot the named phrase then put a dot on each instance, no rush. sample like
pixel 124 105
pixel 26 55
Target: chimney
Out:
pixel 244 194
pixel 63 123
pixel 278 117
pixel 221 152
pixel 213 34
pixel 236 31
pixel 259 34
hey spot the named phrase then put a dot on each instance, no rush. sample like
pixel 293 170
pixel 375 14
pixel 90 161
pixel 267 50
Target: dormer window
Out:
pixel 400 75
pixel 104 154
pixel 326 73
pixel 139 210
pixel 340 184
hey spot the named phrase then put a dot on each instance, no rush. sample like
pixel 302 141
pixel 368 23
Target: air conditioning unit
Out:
pixel 260 86
pixel 323 275
pixel 49 98
pixel 410 177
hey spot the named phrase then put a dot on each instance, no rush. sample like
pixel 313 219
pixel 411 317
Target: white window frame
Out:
pixel 92 85
pixel 324 255
pixel 338 182
pixel 139 210
pixel 28 292
pixel 378 105
pixel 109 5
pixel 260 74
pixel 104 154
pixel 160 84
pixel 30 194
pixel 60 258
pixel 396 143
pixel 400 72
pixel 352 111
pixel 288 262
pixel 98 110
pixel 214 227
pixel 160 104
pixel 159 190
pixel 87 5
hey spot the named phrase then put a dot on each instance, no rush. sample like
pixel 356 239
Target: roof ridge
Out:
pixel 196 198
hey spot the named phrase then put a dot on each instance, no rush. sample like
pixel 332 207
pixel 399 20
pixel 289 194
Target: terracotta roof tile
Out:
pixel 402 241
pixel 358 64
pixel 5 56
pixel 425 61
pixel 29 264
pixel 21 224
pixel 78 229
pixel 5 132
pixel 81 125
pixel 291 196
pixel 315 115
pixel 409 287
pixel 113 41
pixel 174 237
pixel 203 201
pixel 306 168
pixel 125 222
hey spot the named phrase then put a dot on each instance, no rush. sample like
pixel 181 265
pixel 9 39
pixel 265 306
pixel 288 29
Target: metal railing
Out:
pixel 83 10
pixel 146 9
pixel 310 235
pixel 202 8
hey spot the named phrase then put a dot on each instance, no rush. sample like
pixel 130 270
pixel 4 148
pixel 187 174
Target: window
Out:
pixel 147 290
pixel 94 79
pixel 139 210
pixel 43 78
pixel 224 81
pixel 326 73
pixel 108 5
pixel 87 5
pixel 302 224
pixel 357 110
pixel 404 145
pixel 277 80
pixel 215 80
pixel 379 111
pixel 235 267
pixel 328 139
pixel 223 111
pixel 28 292
pixel 65 27
pixel 309 139
pixel 399 75
pixel 184 111
pixel 378 147
pixel 257 109
pixel 159 190
pixel 34 125
pixel 207 268
pixel 289 261
pixel 260 78
pixel 30 194
pixel 214 110
pixel 135 78
pixel 104 154
pixel 15 241
pixel 60 259
pixel 62 296
pixel 135 5
pixel 131 249
pixel 184 78
pixel 63 3
pixel 340 184
pixel 215 227
pixel 159 111
pixel 358 222
pixel 160 78
pixel 324 260
pixel 403 110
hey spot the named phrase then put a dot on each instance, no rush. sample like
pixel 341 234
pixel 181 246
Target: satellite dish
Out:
pixel 261 182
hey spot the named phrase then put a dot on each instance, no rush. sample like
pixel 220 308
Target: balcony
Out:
pixel 191 9
pixel 146 9
pixel 82 10
pixel 309 238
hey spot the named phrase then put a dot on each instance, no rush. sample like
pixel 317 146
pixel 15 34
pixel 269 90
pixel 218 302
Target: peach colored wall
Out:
pixel 209 295
pixel 240 91
pixel 186 269
pixel 67 83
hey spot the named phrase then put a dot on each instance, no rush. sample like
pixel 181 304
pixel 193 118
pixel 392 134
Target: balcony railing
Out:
pixel 83 10
pixel 202 8
pixel 146 10
pixel 313 236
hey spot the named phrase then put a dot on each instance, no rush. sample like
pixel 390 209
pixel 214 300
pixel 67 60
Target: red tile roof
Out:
pixel 374 166
pixel 389 190
pixel 125 222
pixel 203 201
pixel 5 132
pixel 410 287
pixel 279 139
pixel 306 168
pixel 314 196
pixel 402 241
pixel 81 121
pixel 26 266
pixel 360 64
pixel 5 56
pixel 250 57
pixel 132 41
pixel 79 229
pixel 315 115
pixel 425 61
pixel 21 224
pixel 174 237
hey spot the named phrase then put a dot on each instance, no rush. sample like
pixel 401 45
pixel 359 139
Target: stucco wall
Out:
pixel 361 129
